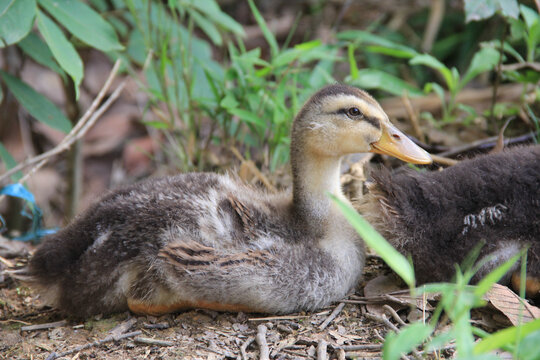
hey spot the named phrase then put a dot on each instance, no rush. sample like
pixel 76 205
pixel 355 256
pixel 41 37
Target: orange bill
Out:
pixel 395 143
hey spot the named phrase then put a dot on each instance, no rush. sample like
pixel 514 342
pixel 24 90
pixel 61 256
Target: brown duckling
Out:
pixel 202 240
pixel 439 217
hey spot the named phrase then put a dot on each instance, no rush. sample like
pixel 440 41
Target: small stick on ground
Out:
pixel 76 349
pixel 321 350
pixel 332 316
pixel 413 118
pixel 150 341
pixel 244 346
pixel 374 347
pixel 44 326
pixel 263 345
pixel 394 314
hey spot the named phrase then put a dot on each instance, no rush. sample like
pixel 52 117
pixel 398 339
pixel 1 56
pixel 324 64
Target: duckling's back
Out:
pixel 438 217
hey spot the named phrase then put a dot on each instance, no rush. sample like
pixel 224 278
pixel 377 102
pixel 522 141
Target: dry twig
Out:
pixel 263 345
pixel 150 341
pixel 244 346
pixel 79 130
pixel 110 338
pixel 44 326
pixel 321 350
pixel 332 316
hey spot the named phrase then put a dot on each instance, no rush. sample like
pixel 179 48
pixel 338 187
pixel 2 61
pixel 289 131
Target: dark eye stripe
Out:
pixel 372 120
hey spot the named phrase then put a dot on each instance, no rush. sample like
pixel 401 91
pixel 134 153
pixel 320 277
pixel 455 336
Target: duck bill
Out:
pixel 395 143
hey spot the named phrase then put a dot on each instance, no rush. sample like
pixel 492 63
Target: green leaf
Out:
pixel 430 61
pixel 379 44
pixel 373 239
pixel 352 62
pixel 270 38
pixel 247 116
pixel 484 60
pixel 35 47
pixel 37 105
pixel 408 338
pixel 487 282
pixel 376 79
pixel 207 27
pixel 528 348
pixel 214 13
pixel 84 23
pixel 530 16
pixel 16 19
pixel 477 10
pixel 61 48
pixel 506 336
pixel 9 162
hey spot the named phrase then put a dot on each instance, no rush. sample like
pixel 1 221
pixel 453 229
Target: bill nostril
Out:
pixel 396 136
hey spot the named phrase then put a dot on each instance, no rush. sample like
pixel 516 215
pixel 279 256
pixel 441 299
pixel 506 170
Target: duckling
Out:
pixel 439 217
pixel 203 240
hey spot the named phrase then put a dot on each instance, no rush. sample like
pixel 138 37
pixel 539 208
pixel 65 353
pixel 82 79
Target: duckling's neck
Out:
pixel 314 177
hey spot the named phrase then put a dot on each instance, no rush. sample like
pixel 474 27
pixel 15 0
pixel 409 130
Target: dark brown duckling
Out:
pixel 204 240
pixel 439 217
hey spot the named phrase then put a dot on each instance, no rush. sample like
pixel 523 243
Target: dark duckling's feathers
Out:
pixel 439 217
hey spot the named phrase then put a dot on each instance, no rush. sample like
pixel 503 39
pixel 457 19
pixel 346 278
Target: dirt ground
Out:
pixel 195 334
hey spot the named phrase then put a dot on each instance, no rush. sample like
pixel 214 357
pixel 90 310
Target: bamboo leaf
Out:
pixel 37 105
pixel 16 19
pixel 61 48
pixel 83 22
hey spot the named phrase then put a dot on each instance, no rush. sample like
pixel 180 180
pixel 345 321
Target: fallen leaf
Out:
pixel 508 303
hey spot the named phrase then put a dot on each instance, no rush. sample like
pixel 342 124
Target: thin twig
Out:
pixel 413 118
pixel 322 350
pixel 369 347
pixel 533 65
pixel 150 341
pixel 44 326
pixel 109 338
pixel 263 345
pixel 244 346
pixel 76 132
pixel 394 314
pixel 332 316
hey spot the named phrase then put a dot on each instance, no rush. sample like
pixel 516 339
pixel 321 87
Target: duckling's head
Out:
pixel 340 120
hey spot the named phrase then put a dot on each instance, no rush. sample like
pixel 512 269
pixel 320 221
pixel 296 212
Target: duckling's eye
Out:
pixel 354 112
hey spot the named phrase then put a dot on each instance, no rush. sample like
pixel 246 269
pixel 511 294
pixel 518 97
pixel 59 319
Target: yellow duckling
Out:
pixel 203 240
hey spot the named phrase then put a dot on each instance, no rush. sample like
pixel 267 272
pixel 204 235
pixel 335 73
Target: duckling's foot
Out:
pixel 145 308
pixel 532 284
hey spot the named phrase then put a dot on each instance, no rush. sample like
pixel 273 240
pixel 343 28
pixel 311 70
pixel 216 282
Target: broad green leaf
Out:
pixel 477 10
pixel 16 20
pixel 37 105
pixel 408 338
pixel 506 336
pixel 484 60
pixel 530 16
pixel 487 282
pixel 270 38
pixel 61 48
pixel 430 61
pixel 229 102
pixel 373 239
pixel 33 46
pixel 84 23
pixel 9 162
pixel 376 79
pixel 528 348
pixel 207 27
